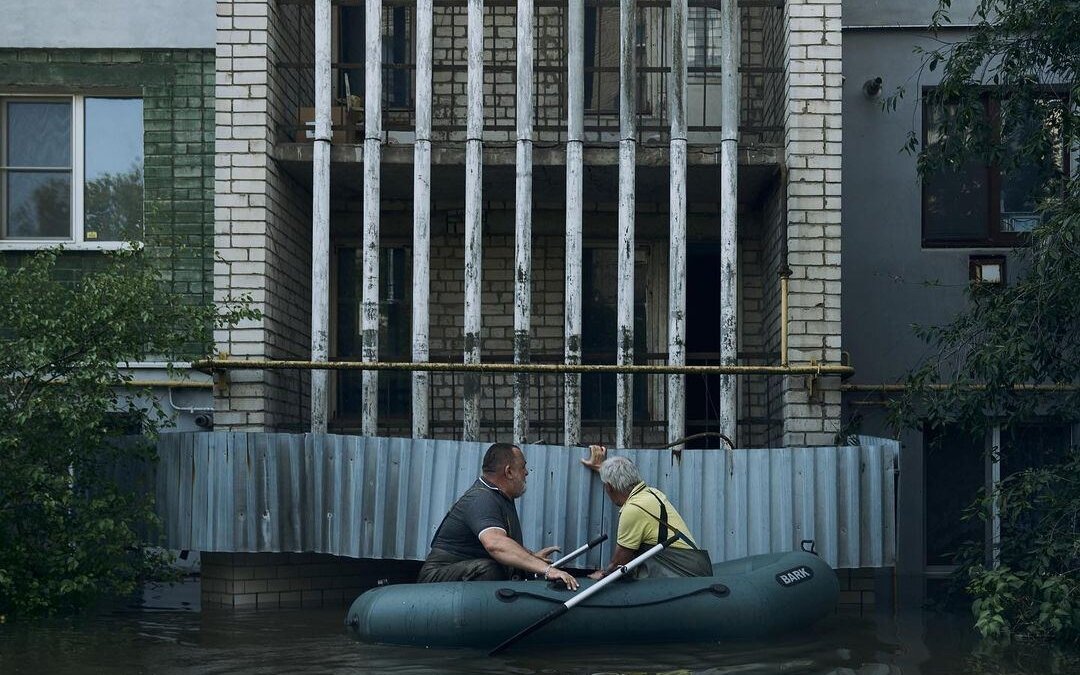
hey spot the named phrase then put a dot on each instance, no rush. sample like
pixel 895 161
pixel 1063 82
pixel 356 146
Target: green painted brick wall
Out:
pixel 177 87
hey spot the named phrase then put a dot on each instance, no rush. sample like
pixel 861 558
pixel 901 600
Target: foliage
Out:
pixel 1013 355
pixel 1033 590
pixel 72 526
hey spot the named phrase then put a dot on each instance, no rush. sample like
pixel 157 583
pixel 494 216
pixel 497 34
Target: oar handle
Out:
pixel 620 572
pixel 583 595
pixel 579 550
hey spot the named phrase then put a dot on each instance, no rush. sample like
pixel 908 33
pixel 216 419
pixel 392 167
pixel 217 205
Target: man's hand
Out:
pixel 545 553
pixel 597 575
pixel 597 455
pixel 555 574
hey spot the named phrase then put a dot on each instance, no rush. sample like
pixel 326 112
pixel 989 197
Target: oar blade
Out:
pixel 529 630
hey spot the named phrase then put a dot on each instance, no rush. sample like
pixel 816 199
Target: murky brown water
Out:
pixel 316 641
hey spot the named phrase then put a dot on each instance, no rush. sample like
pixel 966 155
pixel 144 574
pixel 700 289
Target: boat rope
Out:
pixel 510 595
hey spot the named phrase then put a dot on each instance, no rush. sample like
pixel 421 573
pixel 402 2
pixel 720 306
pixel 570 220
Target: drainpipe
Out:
pixel 624 335
pixel 575 135
pixel 676 412
pixel 523 216
pixel 729 168
pixel 473 203
pixel 369 310
pixel 422 220
pixel 320 218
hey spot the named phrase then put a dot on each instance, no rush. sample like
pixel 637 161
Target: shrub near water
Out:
pixel 69 531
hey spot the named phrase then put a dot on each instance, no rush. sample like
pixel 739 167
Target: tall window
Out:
pixel 703 39
pixel 980 204
pixel 71 170
pixel 957 464
pixel 395 327
pixel 599 328
pixel 602 59
pixel 397 52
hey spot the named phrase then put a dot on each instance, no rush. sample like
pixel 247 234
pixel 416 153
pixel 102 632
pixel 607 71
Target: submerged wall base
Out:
pixel 280 580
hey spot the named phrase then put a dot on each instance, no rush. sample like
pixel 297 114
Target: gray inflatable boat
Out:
pixel 752 597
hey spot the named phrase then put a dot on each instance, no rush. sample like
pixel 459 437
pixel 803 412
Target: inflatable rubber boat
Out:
pixel 752 597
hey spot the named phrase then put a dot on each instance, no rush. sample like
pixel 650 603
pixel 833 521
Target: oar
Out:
pixel 584 595
pixel 579 550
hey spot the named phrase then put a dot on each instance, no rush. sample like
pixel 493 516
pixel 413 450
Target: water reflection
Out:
pixel 129 640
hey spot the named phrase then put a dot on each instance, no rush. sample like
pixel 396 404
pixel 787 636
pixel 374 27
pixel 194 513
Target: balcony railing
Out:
pixel 761 71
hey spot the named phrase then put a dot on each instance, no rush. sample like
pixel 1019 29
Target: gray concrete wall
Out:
pixel 890 280
pixel 74 24
pixel 902 12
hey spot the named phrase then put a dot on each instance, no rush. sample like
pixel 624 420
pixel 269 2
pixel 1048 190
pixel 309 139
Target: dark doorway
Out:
pixel 703 342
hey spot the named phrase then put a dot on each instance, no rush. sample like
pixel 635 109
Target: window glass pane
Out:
pixel 954 469
pixel 1032 446
pixel 703 37
pixel 114 169
pixel 602 51
pixel 1023 186
pixel 38 204
pixel 957 204
pixel 956 199
pixel 38 134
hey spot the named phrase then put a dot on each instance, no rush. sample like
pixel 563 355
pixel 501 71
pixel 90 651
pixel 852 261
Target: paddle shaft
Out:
pixel 584 595
pixel 579 550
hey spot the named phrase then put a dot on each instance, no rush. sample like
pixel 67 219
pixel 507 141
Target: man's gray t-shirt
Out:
pixel 481 507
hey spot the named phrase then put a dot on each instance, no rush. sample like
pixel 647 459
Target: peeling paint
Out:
pixel 729 168
pixel 320 218
pixel 473 214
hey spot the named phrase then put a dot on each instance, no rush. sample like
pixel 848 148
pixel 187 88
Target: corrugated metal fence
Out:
pixel 383 497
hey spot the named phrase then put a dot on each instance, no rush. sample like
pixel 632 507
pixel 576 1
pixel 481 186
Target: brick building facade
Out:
pixel 789 214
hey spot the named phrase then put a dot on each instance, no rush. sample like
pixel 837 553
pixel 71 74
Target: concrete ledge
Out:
pixel 277 580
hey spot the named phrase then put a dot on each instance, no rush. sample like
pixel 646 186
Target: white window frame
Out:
pixel 77 241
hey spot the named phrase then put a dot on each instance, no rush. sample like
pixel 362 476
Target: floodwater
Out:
pixel 169 635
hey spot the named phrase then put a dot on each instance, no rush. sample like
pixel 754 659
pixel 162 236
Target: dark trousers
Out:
pixel 443 566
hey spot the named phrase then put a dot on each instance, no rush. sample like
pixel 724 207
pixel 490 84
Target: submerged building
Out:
pixel 557 198
pixel 540 185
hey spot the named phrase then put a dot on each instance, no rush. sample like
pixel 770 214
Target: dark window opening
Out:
pixel 703 343
pixel 954 469
pixel 395 329
pixel 979 203
pixel 397 54
pixel 599 326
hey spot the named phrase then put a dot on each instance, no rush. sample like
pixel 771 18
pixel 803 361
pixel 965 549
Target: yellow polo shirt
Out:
pixel 637 527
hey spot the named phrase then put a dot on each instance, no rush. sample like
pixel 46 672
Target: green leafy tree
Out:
pixel 1013 355
pixel 73 528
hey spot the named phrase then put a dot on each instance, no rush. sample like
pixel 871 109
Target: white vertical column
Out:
pixel 369 308
pixel 523 216
pixel 320 218
pixel 474 129
pixel 575 135
pixel 421 388
pixel 729 176
pixel 676 399
pixel 624 335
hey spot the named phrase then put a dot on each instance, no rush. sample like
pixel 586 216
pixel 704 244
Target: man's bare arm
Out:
pixel 508 552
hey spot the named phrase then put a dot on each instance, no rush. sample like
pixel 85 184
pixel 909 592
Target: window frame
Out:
pixel 77 240
pixel 995 237
pixel 993 441
pixel 698 20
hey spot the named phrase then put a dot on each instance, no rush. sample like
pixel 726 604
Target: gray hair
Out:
pixel 620 473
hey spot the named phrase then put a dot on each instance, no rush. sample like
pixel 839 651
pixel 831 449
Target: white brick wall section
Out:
pixel 813 157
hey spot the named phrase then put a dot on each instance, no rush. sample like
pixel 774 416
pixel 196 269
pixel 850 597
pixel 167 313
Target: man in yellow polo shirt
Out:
pixel 645 518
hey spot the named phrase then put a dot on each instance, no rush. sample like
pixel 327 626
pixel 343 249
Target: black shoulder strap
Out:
pixel 663 520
